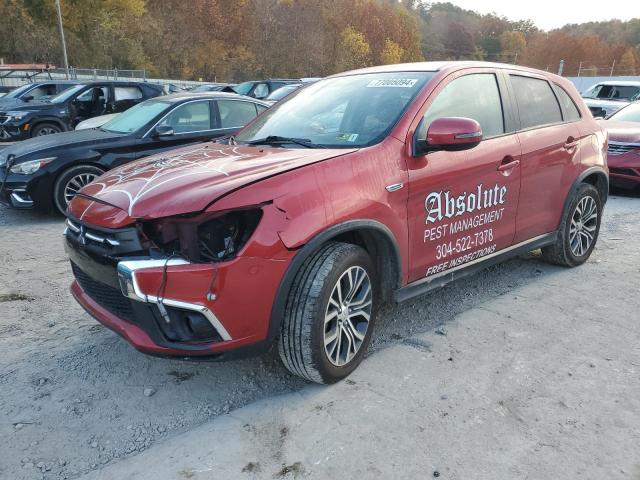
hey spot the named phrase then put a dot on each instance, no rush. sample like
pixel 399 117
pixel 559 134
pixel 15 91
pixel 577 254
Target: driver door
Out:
pixel 192 122
pixel 90 103
pixel 463 204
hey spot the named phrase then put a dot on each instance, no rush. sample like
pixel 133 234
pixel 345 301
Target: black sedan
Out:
pixel 46 172
pixel 63 112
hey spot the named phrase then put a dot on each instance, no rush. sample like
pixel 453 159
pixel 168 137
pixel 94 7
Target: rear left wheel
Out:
pixel 329 314
pixel 579 230
pixel 70 182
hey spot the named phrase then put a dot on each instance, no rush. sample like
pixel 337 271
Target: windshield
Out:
pixel 613 92
pixel 136 117
pixel 630 113
pixel 18 91
pixel 243 88
pixel 282 92
pixel 341 112
pixel 67 94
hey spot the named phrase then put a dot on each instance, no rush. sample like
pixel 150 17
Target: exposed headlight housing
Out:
pixel 204 238
pixel 32 166
pixel 17 115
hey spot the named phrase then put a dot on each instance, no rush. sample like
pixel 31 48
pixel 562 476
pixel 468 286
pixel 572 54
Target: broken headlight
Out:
pixel 204 238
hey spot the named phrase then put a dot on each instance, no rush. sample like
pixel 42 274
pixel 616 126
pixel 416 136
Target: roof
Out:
pixel 439 66
pixel 182 96
pixel 621 83
pixel 36 82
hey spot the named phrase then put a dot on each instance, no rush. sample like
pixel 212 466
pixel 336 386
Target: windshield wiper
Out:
pixel 275 139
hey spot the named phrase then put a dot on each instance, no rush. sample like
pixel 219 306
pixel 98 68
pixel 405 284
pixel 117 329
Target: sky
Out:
pixel 550 14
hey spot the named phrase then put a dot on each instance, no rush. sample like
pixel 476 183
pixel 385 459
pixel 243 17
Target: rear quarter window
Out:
pixel 569 108
pixel 537 104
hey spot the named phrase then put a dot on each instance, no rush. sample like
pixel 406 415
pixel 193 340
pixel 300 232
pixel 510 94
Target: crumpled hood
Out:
pixel 625 132
pixel 189 179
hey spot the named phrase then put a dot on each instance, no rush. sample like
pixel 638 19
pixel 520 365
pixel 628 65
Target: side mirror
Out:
pixel 163 131
pixel 450 134
pixel 27 98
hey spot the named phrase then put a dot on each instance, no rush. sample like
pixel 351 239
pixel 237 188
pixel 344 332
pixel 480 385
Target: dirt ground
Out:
pixel 75 398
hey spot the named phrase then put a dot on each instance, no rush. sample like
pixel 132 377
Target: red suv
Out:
pixel 373 185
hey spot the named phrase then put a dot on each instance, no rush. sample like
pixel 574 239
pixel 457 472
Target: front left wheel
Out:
pixel 70 182
pixel 329 314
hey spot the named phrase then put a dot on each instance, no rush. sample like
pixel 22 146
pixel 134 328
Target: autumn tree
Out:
pixel 391 53
pixel 353 50
pixel 512 44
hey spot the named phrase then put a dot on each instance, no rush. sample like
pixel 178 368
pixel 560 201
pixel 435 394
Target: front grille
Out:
pixel 623 171
pixel 622 148
pixel 3 119
pixel 107 297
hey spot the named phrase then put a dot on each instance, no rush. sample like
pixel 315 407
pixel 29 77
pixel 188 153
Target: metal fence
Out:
pixel 88 74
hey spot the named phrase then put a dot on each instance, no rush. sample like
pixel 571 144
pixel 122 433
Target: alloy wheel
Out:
pixel 74 185
pixel 584 223
pixel 46 131
pixel 347 316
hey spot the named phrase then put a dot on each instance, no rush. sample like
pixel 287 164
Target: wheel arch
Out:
pixel 80 162
pixel 53 120
pixel 595 176
pixel 374 237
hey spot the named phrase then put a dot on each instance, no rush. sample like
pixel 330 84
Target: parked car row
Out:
pixel 374 185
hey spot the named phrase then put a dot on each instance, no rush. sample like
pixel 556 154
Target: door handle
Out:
pixel 510 164
pixel 570 143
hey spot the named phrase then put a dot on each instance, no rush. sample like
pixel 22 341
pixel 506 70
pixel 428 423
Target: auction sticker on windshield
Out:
pixel 393 82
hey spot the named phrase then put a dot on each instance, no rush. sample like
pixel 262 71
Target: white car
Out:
pixel 606 98
pixel 95 122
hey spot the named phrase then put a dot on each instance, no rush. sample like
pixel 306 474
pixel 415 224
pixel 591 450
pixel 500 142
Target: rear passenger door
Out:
pixel 549 147
pixel 235 114
pixel 125 97
pixel 463 204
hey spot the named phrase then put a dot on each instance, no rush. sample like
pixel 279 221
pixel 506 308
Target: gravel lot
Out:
pixel 75 397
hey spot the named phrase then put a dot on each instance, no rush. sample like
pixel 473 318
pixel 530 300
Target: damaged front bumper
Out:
pixel 170 306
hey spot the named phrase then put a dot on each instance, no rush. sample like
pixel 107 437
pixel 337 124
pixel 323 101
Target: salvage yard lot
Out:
pixel 75 398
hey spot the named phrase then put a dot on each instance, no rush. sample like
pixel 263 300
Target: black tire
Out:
pixel 302 336
pixel 45 129
pixel 563 252
pixel 85 174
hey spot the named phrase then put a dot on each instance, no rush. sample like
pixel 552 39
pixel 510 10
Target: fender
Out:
pixel 63 125
pixel 277 311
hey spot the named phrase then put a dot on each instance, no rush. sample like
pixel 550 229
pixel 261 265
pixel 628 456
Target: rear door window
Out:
pixel 537 103
pixel 236 113
pixel 475 96
pixel 190 117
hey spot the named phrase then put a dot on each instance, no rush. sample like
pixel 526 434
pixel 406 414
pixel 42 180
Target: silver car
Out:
pixel 606 98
